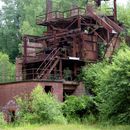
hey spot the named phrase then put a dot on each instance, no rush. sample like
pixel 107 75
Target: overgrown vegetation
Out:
pixel 109 96
pixel 109 83
pixel 2 121
pixel 79 108
pixel 39 107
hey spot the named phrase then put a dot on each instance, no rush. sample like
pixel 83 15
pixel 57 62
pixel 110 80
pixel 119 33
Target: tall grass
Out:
pixel 67 127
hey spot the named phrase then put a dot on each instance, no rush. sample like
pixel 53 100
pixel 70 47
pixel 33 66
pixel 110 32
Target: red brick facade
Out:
pixel 10 90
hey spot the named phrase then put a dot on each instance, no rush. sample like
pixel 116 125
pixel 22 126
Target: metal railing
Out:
pixel 31 75
pixel 58 14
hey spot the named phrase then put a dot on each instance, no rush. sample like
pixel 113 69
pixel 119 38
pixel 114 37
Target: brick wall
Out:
pixel 80 90
pixel 11 90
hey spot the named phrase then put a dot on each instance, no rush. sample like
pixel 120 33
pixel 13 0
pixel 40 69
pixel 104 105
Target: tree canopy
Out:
pixel 7 69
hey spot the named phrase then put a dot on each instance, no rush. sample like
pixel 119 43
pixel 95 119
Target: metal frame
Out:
pixel 76 34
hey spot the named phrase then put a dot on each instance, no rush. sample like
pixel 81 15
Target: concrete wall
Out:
pixel 10 90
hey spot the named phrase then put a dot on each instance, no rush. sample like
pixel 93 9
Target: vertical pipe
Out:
pixel 115 10
pixel 48 6
pixel 60 69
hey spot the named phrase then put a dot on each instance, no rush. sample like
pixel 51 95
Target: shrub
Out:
pixel 110 83
pixel 40 108
pixel 75 108
pixel 2 122
pixel 114 89
pixel 92 74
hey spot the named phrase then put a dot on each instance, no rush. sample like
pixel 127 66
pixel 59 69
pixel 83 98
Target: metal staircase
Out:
pixel 48 64
pixel 108 24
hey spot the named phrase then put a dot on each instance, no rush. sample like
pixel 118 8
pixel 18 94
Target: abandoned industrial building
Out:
pixel 73 39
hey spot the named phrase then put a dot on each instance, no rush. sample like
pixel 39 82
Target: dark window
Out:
pixel 48 89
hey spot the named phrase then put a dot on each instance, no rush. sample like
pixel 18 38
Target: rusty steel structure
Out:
pixel 72 39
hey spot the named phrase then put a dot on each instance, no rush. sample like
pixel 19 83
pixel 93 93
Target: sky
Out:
pixel 121 2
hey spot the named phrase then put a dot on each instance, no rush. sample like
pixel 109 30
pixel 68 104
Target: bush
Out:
pixel 92 74
pixel 76 108
pixel 110 83
pixel 2 122
pixel 40 108
pixel 114 91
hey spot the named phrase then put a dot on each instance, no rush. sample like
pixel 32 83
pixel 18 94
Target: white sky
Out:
pixel 122 2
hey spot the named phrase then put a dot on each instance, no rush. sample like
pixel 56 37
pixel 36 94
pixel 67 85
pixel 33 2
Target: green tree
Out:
pixel 7 69
pixel 124 17
pixel 31 10
pixel 9 28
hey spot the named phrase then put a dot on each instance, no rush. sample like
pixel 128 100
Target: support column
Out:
pixel 19 76
pixel 75 70
pixel 115 10
pixel 55 72
pixel 74 46
pixel 60 69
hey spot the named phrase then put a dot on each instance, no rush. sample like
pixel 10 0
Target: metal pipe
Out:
pixel 115 10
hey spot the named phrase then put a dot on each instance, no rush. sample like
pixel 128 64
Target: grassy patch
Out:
pixel 67 127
